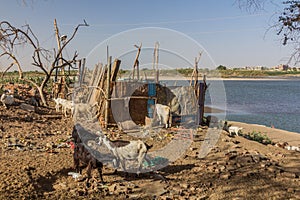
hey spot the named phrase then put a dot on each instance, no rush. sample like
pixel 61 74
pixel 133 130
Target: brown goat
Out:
pixel 82 155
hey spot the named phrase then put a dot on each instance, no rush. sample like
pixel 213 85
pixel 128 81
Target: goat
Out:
pixel 65 104
pixel 85 110
pixel 7 99
pixel 234 130
pixel 68 105
pixel 81 154
pixel 130 150
pixel 58 103
pixel 164 114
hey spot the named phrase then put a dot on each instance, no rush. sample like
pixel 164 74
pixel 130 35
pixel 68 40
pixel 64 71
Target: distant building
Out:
pixel 283 67
pixel 255 68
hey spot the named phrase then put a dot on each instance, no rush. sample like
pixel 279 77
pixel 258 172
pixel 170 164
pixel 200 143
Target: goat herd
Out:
pixel 121 150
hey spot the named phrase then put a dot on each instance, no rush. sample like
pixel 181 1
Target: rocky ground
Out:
pixel 35 161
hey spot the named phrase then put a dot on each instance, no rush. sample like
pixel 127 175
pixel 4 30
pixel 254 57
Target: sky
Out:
pixel 227 35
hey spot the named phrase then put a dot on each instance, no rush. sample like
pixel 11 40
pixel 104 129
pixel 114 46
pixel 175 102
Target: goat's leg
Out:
pixel 170 120
pixel 66 112
pixel 57 107
pixel 165 120
pixel 76 162
pixel 4 105
pixel 89 173
pixel 100 170
pixel 159 118
pixel 123 165
pixel 159 176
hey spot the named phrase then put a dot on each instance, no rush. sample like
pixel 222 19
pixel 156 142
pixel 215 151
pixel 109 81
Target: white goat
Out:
pixel 234 130
pixel 7 99
pixel 58 103
pixel 65 104
pixel 130 150
pixel 68 105
pixel 163 113
pixel 85 110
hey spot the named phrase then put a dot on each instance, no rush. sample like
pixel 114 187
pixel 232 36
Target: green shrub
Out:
pixel 259 137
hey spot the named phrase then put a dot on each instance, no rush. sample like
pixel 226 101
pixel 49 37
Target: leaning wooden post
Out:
pixel 79 72
pixel 136 62
pixel 201 99
pixel 58 47
pixel 83 70
pixel 107 92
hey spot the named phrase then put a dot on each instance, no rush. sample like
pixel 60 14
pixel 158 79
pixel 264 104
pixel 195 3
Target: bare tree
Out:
pixel 250 5
pixel 287 22
pixel 289 27
pixel 12 39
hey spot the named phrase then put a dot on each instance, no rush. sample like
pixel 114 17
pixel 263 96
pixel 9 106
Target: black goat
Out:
pixel 81 154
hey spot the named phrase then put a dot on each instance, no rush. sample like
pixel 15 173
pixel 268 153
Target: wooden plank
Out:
pixel 96 76
pixel 107 105
pixel 95 94
pixel 115 70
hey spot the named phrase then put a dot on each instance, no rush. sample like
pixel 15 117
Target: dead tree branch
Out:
pixel 12 38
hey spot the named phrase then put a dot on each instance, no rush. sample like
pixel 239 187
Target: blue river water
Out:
pixel 266 102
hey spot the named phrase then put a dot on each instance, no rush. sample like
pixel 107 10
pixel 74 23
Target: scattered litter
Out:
pixel 75 175
pixel 293 148
pixel 155 161
pixel 286 145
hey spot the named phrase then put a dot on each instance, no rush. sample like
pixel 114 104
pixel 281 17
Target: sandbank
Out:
pixel 276 135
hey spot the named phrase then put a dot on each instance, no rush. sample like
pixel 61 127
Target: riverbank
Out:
pixel 36 160
pixel 267 78
pixel 276 135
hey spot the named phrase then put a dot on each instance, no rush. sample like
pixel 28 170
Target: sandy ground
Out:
pixel 274 134
pixel 35 162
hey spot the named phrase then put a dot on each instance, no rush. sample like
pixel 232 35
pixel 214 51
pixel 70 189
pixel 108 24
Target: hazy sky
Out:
pixel 230 36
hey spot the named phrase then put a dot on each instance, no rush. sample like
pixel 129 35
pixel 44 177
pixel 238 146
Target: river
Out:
pixel 274 103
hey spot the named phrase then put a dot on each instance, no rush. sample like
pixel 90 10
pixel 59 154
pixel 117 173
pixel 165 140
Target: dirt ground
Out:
pixel 35 161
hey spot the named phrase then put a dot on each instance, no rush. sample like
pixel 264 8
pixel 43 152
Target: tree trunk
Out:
pixel 40 89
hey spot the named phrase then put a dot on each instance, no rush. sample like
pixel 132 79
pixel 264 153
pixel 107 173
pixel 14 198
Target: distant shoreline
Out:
pixel 270 78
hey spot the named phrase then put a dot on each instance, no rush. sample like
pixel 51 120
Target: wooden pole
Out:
pixel 58 45
pixel 115 70
pixel 194 78
pixel 79 72
pixel 136 62
pixel 156 62
pixel 201 98
pixel 108 91
pixel 83 70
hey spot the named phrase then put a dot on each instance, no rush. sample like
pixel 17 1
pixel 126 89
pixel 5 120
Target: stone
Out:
pixel 27 107
pixel 185 185
pixel 225 140
pixel 291 190
pixel 237 146
pixel 112 188
pixel 288 175
pixel 235 142
pixel 263 165
pixel 211 168
pixel 245 159
pixel 272 169
pixel 225 176
pixel 193 148
pixel 222 168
